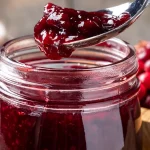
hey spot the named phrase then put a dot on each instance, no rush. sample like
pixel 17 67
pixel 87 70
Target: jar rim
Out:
pixel 60 83
pixel 131 55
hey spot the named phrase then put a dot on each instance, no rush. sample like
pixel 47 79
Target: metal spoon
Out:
pixel 135 9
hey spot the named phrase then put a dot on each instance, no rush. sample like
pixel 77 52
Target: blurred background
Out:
pixel 18 17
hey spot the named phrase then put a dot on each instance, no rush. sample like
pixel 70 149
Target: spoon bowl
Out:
pixel 135 9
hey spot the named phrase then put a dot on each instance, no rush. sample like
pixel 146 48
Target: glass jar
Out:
pixel 86 102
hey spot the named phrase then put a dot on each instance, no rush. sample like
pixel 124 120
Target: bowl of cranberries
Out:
pixel 143 55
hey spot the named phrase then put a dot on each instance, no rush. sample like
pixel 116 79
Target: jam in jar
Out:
pixel 85 102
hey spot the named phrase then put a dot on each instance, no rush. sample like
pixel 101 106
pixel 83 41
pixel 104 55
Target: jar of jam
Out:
pixel 85 102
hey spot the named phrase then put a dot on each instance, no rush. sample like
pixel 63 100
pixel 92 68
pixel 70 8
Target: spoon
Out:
pixel 135 9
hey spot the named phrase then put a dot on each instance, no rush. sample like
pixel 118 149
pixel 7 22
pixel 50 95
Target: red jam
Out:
pixel 63 25
pixel 32 129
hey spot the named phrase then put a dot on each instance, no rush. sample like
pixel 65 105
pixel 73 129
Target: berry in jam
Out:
pixel 63 25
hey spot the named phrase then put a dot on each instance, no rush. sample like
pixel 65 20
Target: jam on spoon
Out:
pixel 61 25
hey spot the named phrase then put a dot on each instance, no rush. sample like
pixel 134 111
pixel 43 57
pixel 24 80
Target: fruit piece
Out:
pixel 142 92
pixel 141 44
pixel 144 55
pixel 40 25
pixel 141 67
pixel 85 26
pixel 147 66
pixel 143 50
pixel 145 79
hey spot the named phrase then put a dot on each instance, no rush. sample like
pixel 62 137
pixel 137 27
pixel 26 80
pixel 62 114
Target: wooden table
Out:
pixel 146 128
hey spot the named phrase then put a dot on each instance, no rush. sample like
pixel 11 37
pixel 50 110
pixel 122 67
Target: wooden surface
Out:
pixel 146 128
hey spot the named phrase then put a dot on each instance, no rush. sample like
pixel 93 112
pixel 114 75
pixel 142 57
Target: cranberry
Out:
pixel 141 44
pixel 144 55
pixel 145 79
pixel 142 92
pixel 147 66
pixel 143 50
pixel 61 25
pixel 141 67
pixel 147 45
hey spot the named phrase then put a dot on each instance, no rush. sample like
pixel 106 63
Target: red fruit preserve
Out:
pixel 63 25
pixel 85 102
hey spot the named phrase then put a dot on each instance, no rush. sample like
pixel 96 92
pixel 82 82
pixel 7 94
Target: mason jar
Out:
pixel 88 101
